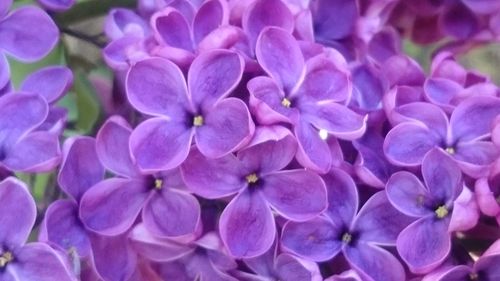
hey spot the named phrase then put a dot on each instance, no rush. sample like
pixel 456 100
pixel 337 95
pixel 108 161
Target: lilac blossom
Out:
pixel 464 135
pixel 199 110
pixel 258 179
pixel 442 205
pixel 306 94
pixel 358 235
pixel 19 260
pixel 487 191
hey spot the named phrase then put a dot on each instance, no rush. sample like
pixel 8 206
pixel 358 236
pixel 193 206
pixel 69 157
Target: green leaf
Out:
pixel 87 104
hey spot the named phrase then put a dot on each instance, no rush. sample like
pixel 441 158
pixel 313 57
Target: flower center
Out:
pixel 286 102
pixel 252 178
pixel 441 211
pixel 450 150
pixel 158 184
pixel 198 121
pixel 5 258
pixel 473 276
pixel 346 238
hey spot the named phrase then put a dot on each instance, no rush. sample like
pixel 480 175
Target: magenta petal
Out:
pixel 473 118
pixel 297 195
pixel 21 113
pixel 336 119
pixel 313 152
pixel 28 34
pixel 408 195
pixel 379 222
pixel 424 244
pixel 407 143
pixel 226 127
pixel 482 7
pixel 50 82
pixel 37 261
pixel 158 144
pixel 264 13
pixel 465 212
pixel 156 86
pixel 80 168
pixel 112 145
pixel 171 213
pixel 247 225
pixel 63 227
pixel 210 16
pixel 442 176
pixel 213 75
pixel 36 152
pixel 4 7
pixel 113 257
pixel 316 240
pixel 213 178
pixel 279 55
pixel 112 206
pixel 172 29
pixel 374 263
pixel 17 212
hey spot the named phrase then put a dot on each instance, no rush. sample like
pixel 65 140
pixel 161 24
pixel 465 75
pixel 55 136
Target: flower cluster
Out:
pixel 256 140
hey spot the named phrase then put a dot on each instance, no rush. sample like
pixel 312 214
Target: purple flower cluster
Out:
pixel 286 140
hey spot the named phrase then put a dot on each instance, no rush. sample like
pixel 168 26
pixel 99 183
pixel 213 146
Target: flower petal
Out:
pixel 158 144
pixel 213 178
pixel 279 55
pixel 292 268
pixel 63 227
pixel 428 114
pixel 213 75
pixel 408 195
pixel 465 212
pixel 313 152
pixel 442 176
pixel 424 244
pixel 112 206
pixel 379 222
pixel 474 158
pixel 316 240
pixel 156 86
pixel 28 34
pixel 488 265
pixel 247 225
pixel 21 113
pixel 226 127
pixel 374 263
pixel 338 13
pixel 112 146
pixel 50 82
pixel 407 143
pixel 271 149
pixel 17 212
pixel 4 71
pixel 172 29
pixel 171 213
pixel 441 91
pixel 458 21
pixel 297 195
pixel 342 197
pixel 263 13
pixel 37 261
pixel 36 152
pixel 473 118
pixel 81 168
pixel 336 119
pixel 210 16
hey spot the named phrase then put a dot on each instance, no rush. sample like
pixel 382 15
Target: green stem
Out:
pixel 91 9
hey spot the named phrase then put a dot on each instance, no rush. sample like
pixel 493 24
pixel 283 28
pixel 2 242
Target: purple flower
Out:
pixel 487 190
pixel 199 110
pixel 464 136
pixel 484 269
pixel 27 34
pixel 357 235
pixel 22 146
pixel 304 94
pixel 111 206
pixel 257 177
pixel 20 261
pixel 349 275
pixel 424 244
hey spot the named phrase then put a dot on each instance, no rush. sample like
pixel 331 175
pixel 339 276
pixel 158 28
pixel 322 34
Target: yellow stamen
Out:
pixel 198 121
pixel 347 238
pixel 158 183
pixel 252 178
pixel 450 150
pixel 473 276
pixel 5 259
pixel 441 212
pixel 286 102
